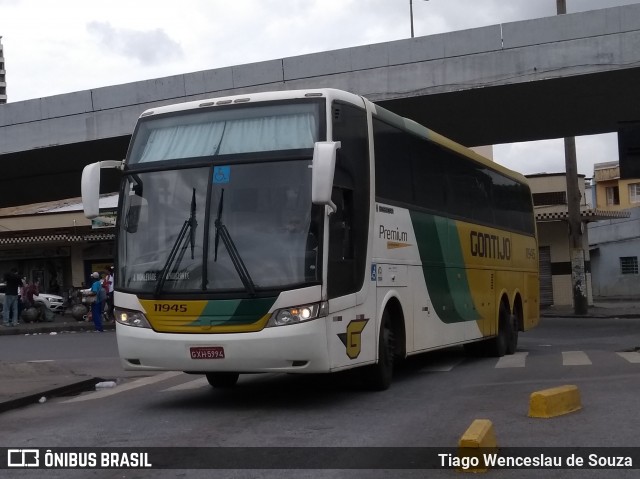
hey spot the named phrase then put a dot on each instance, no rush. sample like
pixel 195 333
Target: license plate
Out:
pixel 207 352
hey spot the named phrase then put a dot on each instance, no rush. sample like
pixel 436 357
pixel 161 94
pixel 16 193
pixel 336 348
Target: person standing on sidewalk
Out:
pixel 13 282
pixel 98 304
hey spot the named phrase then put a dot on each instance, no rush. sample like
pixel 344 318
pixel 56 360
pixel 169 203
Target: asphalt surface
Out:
pixel 24 383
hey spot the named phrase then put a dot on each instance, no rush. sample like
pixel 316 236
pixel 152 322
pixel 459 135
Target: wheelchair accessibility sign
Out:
pixel 221 174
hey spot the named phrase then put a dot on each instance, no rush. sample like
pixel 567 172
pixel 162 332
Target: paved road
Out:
pixel 432 401
pixel 60 346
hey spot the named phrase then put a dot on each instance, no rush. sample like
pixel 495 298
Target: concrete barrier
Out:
pixel 478 439
pixel 554 401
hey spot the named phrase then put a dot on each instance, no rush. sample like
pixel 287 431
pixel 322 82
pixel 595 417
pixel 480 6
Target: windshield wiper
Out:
pixel 236 259
pixel 190 226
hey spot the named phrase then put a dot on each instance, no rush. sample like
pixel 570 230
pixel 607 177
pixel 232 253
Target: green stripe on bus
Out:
pixel 439 245
pixel 234 312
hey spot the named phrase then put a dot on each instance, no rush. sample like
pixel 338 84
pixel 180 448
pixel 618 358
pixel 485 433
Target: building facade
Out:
pixel 614 244
pixel 612 192
pixel 614 250
pixel 554 248
pixel 55 244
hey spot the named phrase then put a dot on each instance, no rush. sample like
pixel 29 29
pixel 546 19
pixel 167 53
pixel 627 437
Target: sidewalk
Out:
pixel 623 308
pixel 22 384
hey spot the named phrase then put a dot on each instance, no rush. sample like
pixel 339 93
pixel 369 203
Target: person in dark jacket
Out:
pixel 13 282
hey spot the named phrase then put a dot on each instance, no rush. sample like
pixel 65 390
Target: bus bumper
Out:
pixel 290 349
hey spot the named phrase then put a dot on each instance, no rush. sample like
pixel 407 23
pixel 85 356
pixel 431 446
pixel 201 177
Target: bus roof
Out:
pixel 330 93
pixel 335 94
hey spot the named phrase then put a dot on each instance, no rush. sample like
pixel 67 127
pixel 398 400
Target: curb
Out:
pixel 53 328
pixel 590 316
pixel 31 398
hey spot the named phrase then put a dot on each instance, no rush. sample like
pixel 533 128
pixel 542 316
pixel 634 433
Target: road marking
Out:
pixel 193 384
pixel 575 358
pixel 125 387
pixel 442 365
pixel 631 356
pixel 516 360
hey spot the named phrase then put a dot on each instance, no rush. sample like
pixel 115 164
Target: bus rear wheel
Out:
pixel 377 377
pixel 506 340
pixel 222 380
pixel 512 339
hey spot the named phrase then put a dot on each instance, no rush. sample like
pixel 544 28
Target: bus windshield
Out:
pixel 172 222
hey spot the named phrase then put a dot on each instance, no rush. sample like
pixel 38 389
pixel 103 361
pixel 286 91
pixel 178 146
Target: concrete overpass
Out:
pixel 559 76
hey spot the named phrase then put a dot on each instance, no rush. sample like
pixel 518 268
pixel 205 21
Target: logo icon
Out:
pixel 352 338
pixel 23 458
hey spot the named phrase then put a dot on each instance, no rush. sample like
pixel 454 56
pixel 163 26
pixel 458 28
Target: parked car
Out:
pixel 52 301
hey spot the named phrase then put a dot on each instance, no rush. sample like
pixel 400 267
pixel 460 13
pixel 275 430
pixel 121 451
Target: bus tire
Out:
pixel 499 344
pixel 377 377
pixel 222 380
pixel 512 330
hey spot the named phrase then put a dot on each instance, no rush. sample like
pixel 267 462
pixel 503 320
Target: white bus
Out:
pixel 311 231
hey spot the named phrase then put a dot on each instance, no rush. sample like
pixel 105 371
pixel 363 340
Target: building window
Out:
pixel 551 198
pixel 613 195
pixel 629 265
pixel 634 193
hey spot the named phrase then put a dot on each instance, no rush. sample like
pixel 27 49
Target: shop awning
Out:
pixel 63 237
pixel 586 215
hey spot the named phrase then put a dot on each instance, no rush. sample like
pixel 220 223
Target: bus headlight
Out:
pixel 131 318
pixel 297 314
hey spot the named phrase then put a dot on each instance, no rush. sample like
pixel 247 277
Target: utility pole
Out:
pixel 578 275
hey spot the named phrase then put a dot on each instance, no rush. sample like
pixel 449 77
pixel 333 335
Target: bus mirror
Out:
pixel 323 168
pixel 90 187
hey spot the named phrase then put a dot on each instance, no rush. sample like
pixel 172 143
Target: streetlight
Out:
pixel 411 14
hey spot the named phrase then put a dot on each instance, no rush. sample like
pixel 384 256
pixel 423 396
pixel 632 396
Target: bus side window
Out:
pixel 341 226
pixel 341 251
pixel 349 225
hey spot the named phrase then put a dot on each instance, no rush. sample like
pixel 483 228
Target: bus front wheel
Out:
pixel 377 377
pixel 222 380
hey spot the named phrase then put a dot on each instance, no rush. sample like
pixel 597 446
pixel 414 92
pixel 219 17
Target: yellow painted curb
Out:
pixel 554 402
pixel 478 439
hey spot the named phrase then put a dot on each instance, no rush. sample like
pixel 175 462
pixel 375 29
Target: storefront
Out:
pixel 55 245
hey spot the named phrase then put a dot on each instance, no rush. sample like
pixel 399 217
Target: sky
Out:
pixel 55 47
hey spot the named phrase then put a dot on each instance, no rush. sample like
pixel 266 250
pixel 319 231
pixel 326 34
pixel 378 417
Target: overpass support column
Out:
pixel 578 275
